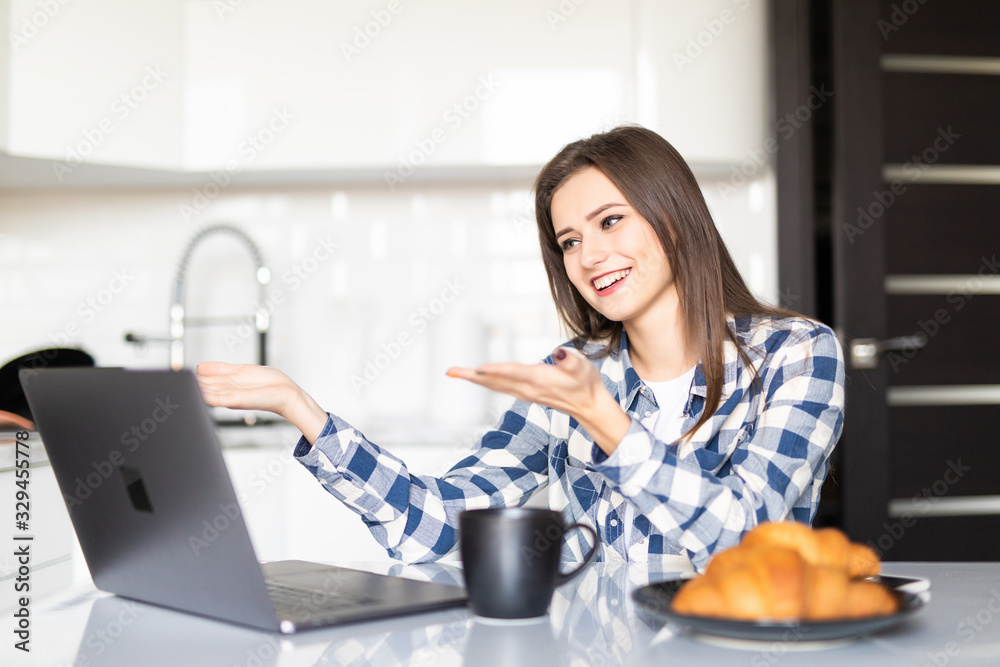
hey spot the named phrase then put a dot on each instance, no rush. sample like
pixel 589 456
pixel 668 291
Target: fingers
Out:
pixel 570 358
pixel 571 380
pixel 211 392
pixel 489 374
pixel 505 378
pixel 512 371
pixel 574 365
pixel 534 383
pixel 214 384
pixel 219 383
pixel 568 361
pixel 246 386
pixel 564 359
pixel 223 392
pixel 521 372
pixel 504 385
pixel 216 368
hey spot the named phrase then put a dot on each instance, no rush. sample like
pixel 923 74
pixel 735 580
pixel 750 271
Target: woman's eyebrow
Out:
pixel 590 216
pixel 597 211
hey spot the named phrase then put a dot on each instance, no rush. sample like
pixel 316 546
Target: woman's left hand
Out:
pixel 573 385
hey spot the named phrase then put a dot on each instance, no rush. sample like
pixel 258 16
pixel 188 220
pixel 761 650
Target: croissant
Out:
pixel 832 595
pixel 787 571
pixel 826 546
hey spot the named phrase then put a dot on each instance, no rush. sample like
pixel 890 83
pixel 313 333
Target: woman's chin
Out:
pixel 615 314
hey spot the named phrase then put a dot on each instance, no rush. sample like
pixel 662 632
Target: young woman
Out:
pixel 682 413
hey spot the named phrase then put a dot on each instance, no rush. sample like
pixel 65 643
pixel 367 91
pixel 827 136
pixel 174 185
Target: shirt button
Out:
pixel 642 541
pixel 614 522
pixel 648 413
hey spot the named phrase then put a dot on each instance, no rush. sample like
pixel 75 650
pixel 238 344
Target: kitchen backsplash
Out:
pixel 374 294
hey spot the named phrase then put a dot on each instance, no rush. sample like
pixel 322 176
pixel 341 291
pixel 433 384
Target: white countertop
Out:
pixel 593 620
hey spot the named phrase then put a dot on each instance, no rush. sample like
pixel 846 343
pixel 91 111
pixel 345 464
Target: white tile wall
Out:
pixel 398 256
pixel 366 329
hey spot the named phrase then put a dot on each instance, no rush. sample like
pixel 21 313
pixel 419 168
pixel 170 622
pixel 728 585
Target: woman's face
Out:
pixel 611 253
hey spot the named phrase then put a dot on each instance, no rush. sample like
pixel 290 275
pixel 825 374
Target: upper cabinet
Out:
pixel 383 85
pixel 702 77
pixel 397 84
pixel 94 81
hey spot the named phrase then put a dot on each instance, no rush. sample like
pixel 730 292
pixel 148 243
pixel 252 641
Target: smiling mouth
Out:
pixel 608 279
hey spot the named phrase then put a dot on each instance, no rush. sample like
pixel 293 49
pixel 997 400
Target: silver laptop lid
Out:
pixel 142 474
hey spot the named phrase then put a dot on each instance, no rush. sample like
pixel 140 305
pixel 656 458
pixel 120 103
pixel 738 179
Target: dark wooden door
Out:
pixel 914 247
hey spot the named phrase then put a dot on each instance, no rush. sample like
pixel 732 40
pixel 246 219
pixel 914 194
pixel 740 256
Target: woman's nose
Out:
pixel 594 252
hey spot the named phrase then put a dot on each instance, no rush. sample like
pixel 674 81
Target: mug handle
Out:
pixel 563 578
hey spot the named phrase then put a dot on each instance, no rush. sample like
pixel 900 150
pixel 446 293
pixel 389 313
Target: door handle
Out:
pixel 865 351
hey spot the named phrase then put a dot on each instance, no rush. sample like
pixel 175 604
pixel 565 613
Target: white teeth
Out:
pixel 610 279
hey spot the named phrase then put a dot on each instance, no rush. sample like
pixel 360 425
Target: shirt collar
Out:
pixel 624 382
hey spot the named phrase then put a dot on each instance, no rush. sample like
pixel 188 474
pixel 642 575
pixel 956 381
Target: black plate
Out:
pixel 912 594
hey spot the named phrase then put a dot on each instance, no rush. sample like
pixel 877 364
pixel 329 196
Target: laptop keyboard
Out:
pixel 297 600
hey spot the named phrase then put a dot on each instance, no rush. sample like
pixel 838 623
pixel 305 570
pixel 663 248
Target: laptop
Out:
pixel 139 465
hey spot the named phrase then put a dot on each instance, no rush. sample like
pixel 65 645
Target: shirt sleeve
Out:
pixel 776 459
pixel 415 517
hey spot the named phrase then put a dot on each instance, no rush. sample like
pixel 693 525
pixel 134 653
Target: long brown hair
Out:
pixel 659 185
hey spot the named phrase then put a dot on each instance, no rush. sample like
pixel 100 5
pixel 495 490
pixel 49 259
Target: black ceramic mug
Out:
pixel 511 559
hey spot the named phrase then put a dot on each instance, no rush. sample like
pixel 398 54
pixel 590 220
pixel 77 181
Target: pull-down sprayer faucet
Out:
pixel 178 318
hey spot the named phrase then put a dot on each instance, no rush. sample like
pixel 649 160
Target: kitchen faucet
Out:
pixel 179 321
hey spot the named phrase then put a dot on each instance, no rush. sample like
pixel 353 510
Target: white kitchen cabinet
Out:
pixel 97 81
pixel 51 546
pixel 702 76
pixel 398 84
pixel 382 87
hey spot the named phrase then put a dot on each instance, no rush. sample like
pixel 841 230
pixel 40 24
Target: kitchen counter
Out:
pixel 593 621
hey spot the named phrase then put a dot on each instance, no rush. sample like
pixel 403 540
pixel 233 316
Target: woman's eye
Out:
pixel 567 244
pixel 610 220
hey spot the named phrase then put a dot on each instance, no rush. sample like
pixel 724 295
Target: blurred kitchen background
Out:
pixel 266 116
pixel 380 156
pixel 358 175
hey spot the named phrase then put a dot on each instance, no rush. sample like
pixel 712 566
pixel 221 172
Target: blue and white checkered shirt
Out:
pixel 761 457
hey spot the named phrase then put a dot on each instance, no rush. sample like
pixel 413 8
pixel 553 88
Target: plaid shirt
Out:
pixel 760 457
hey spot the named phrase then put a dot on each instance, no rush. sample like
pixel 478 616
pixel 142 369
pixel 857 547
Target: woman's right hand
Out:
pixel 249 387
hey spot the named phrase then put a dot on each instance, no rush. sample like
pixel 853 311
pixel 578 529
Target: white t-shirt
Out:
pixel 671 396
